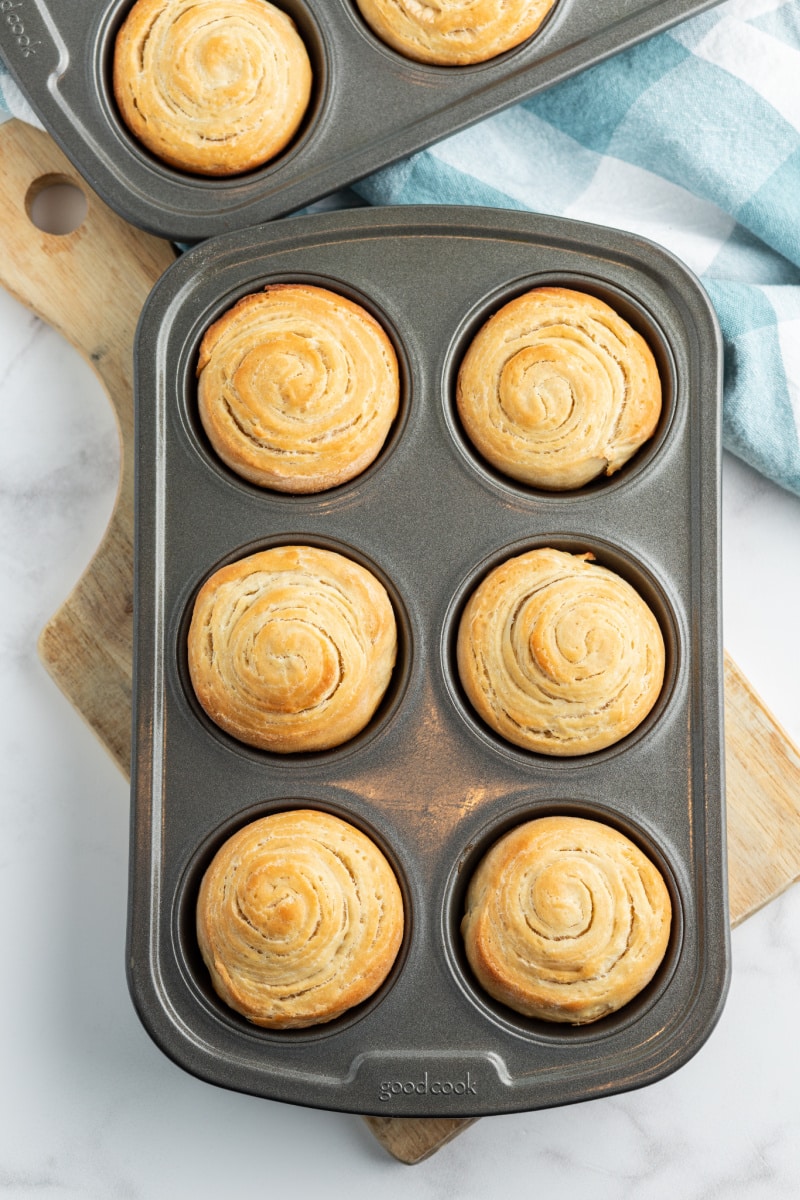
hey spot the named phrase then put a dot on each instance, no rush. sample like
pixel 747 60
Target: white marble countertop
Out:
pixel 90 1107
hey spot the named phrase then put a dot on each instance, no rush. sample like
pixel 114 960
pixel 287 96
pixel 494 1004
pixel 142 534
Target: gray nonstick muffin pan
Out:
pixel 370 105
pixel 426 779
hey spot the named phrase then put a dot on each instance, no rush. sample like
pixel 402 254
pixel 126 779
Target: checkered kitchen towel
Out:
pixel 692 139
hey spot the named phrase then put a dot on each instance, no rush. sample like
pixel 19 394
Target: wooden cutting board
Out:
pixel 91 285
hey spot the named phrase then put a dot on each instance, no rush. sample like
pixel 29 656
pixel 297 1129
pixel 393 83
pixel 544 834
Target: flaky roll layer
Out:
pixel 454 32
pixel 292 648
pixel 557 389
pixel 566 920
pixel 214 87
pixel 559 655
pixel 299 918
pixel 298 388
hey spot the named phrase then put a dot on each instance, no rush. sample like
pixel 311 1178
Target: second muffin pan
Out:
pixel 426 779
pixel 369 105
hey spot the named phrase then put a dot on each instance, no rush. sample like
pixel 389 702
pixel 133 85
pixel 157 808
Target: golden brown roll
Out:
pixel 298 388
pixel 558 654
pixel 214 87
pixel 454 32
pixel 299 918
pixel 566 920
pixel 292 648
pixel 557 389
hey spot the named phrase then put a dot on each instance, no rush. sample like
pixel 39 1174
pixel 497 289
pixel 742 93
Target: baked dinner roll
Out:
pixel 558 654
pixel 213 87
pixel 566 920
pixel 292 648
pixel 299 917
pixel 454 32
pixel 557 389
pixel 298 388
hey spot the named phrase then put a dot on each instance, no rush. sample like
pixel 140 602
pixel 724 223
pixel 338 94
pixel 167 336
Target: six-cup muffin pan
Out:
pixel 426 779
pixel 370 106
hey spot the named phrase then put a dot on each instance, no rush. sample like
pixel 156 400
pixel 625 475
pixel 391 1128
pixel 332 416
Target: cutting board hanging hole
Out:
pixel 56 205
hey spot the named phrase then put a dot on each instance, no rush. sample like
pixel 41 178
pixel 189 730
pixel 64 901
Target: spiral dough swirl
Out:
pixel 214 87
pixel 454 32
pixel 298 388
pixel 559 655
pixel 557 389
pixel 299 917
pixel 566 920
pixel 292 648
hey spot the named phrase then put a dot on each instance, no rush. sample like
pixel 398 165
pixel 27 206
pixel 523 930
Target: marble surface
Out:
pixel 90 1108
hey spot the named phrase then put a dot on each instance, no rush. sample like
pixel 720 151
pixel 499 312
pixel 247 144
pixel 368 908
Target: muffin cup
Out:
pixel 196 435
pixel 534 1029
pixel 188 954
pixel 614 558
pixel 632 311
pixel 386 708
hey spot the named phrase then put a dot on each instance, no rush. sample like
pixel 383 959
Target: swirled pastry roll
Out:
pixel 566 920
pixel 454 32
pixel 292 648
pixel 559 655
pixel 213 87
pixel 299 918
pixel 298 388
pixel 557 389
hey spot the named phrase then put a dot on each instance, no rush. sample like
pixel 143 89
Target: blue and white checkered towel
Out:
pixel 691 139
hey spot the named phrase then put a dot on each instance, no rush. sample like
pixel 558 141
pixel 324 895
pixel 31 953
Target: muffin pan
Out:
pixel 370 106
pixel 426 779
